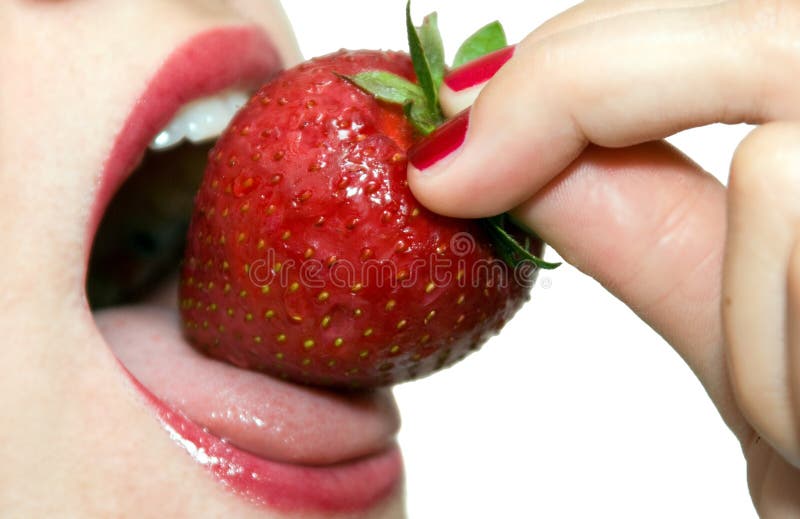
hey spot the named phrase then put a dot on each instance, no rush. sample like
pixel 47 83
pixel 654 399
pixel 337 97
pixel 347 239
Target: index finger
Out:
pixel 616 82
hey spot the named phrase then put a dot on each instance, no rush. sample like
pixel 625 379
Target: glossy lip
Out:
pixel 347 487
pixel 200 67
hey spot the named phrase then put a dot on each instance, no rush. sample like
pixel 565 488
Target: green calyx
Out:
pixel 420 102
pixel 392 88
pixel 508 247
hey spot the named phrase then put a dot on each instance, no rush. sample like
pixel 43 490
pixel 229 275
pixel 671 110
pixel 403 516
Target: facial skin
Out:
pixel 77 439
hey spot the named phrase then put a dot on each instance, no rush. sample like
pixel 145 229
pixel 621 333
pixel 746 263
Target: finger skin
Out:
pixel 584 13
pixel 616 82
pixel 590 11
pixel 649 225
pixel 763 218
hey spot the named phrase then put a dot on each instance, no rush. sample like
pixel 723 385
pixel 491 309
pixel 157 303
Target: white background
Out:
pixel 578 409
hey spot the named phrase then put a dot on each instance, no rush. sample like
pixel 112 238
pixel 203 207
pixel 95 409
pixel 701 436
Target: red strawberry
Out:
pixel 309 258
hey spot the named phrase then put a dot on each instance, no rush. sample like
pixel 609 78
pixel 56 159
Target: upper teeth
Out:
pixel 201 119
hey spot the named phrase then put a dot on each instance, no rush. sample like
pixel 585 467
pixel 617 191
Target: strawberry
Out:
pixel 308 257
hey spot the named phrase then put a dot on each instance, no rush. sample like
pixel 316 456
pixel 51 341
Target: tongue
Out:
pixel 276 420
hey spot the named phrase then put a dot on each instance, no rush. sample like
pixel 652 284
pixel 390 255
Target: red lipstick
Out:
pixel 347 487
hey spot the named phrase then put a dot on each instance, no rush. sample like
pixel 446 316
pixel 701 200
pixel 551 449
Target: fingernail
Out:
pixel 478 71
pixel 442 142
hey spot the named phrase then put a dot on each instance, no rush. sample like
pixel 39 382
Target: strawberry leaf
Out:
pixel 488 38
pixel 431 41
pixel 508 248
pixel 392 88
pixel 421 65
pixel 420 117
pixel 388 87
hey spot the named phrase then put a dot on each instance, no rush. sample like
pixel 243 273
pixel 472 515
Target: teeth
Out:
pixel 201 119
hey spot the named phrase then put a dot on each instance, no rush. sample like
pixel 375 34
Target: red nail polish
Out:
pixel 479 70
pixel 442 142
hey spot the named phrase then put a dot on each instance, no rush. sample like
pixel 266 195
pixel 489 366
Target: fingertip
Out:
pixel 768 146
pixel 426 194
pixel 456 170
pixel 478 164
pixel 760 304
pixel 430 163
pixel 442 196
pixel 454 102
pixel 462 85
pixel 446 181
pixel 447 195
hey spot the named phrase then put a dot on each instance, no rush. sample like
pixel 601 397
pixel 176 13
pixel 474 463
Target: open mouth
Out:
pixel 274 442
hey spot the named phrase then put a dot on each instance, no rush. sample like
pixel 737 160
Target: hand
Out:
pixel 569 127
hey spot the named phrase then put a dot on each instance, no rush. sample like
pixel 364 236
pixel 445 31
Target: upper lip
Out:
pixel 194 70
pixel 203 67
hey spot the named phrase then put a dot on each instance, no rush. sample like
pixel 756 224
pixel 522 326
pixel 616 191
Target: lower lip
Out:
pixel 352 486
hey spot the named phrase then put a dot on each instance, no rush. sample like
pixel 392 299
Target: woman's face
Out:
pixel 85 86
